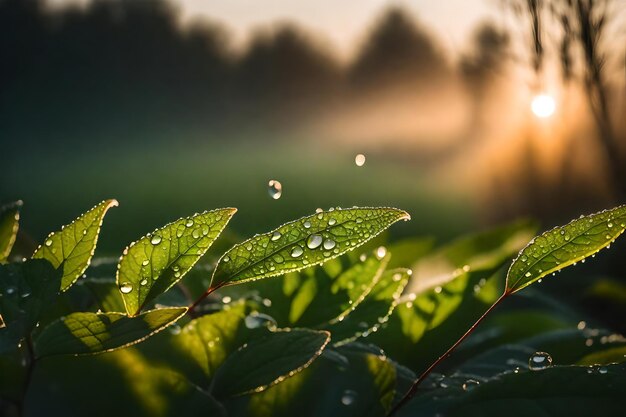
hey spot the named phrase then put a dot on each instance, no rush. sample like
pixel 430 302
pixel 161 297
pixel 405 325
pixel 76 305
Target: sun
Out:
pixel 543 105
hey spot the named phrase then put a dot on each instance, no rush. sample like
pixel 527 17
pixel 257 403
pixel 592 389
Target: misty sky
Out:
pixel 341 23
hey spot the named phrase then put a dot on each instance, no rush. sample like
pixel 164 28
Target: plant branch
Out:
pixel 411 392
pixel 208 292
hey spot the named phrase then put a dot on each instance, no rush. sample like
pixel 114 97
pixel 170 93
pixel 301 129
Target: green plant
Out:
pixel 239 344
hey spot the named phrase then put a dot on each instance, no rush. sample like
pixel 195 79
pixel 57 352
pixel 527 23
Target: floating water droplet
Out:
pixel 255 320
pixel 275 189
pixel 381 252
pixel 329 244
pixel 314 241
pixel 581 325
pixel 275 236
pixel 155 240
pixel 348 397
pixel 470 384
pixel 539 361
pixel 126 287
pixel 296 251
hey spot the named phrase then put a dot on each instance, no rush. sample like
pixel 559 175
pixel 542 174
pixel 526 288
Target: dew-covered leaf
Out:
pixel 72 247
pixel 309 241
pixel 9 224
pixel 367 316
pixel 154 263
pixel 564 246
pixel 85 333
pixel 267 360
pixel 26 290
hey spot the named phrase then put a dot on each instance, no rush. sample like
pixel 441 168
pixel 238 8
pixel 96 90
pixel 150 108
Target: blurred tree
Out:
pixel 397 52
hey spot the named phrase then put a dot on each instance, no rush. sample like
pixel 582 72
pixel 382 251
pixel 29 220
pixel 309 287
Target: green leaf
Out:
pixel 367 316
pixel 564 246
pixel 73 246
pixel 205 343
pixel 557 391
pixel 26 290
pixel 361 385
pixel 9 224
pixel 154 263
pixel 85 333
pixel 308 241
pixel 267 360
pixel 120 383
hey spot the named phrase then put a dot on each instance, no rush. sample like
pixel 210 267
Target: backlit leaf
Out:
pixel 369 314
pixel 72 247
pixel 267 360
pixel 84 333
pixel 309 241
pixel 564 246
pixel 154 263
pixel 9 224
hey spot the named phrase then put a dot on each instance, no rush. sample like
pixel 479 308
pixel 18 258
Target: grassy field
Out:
pixel 158 183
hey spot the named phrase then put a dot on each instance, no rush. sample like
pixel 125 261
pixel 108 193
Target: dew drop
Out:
pixel 275 236
pixel 314 241
pixel 143 282
pixel 155 240
pixel 48 242
pixel 189 223
pixel 348 397
pixel 307 224
pixel 332 221
pixel 602 370
pixel 275 189
pixel 329 244
pixel 296 251
pixel 470 384
pixel 145 262
pixel 255 320
pixel 539 361
pixel 319 210
pixel 126 287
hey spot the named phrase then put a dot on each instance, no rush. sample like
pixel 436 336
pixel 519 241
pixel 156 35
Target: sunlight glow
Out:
pixel 543 105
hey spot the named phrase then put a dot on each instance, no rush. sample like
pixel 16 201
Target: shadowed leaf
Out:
pixel 267 360
pixel 26 290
